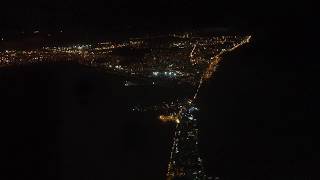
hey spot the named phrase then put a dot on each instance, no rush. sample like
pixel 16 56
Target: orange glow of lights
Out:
pixel 169 118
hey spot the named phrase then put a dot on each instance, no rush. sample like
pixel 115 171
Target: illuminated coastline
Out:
pixel 180 58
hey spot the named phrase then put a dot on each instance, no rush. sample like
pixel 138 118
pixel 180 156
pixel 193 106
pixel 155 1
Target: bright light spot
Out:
pixel 126 83
pixel 169 118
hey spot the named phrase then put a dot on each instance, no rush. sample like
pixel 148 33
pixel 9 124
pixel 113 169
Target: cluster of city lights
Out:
pixel 182 58
pixel 176 57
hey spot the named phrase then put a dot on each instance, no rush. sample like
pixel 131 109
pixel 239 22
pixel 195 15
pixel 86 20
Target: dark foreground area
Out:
pixel 66 121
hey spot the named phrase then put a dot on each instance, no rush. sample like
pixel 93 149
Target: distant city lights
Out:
pixel 180 58
pixel 164 61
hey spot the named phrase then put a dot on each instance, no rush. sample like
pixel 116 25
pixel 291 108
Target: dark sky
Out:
pixel 257 114
pixel 122 14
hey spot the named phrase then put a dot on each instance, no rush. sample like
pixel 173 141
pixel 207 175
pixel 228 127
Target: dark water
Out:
pixel 66 121
pixel 257 113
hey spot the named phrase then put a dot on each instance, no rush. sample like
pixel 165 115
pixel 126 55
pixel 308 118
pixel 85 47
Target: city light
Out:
pixel 180 58
pixel 195 54
pixel 169 118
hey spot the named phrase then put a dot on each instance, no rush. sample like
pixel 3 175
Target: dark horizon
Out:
pixel 125 15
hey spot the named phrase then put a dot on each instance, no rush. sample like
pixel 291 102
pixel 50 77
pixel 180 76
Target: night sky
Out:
pixel 257 113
